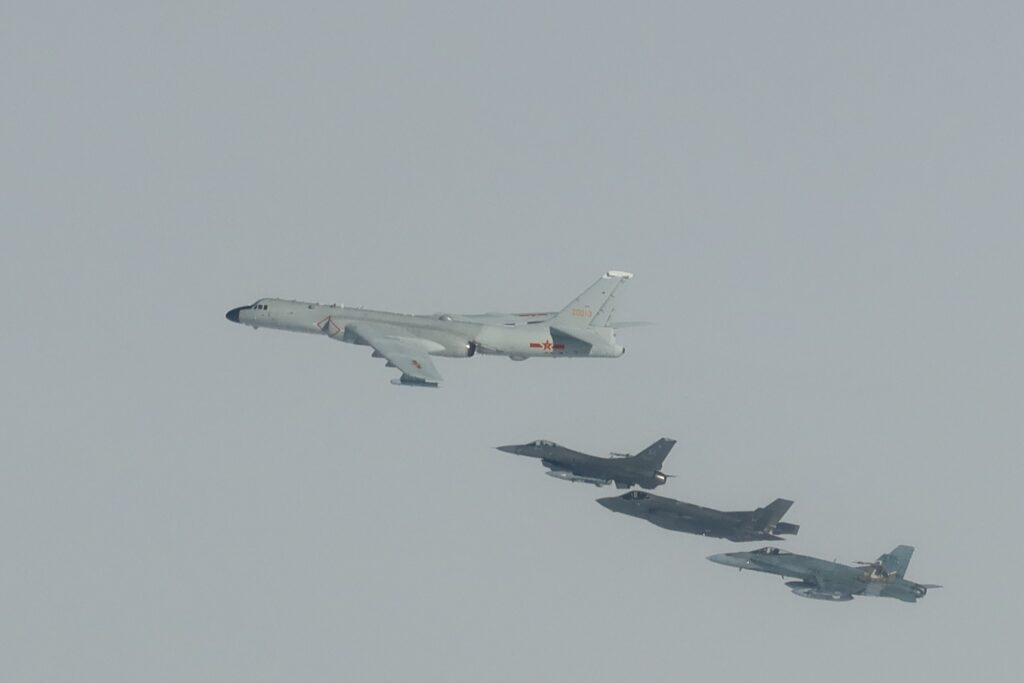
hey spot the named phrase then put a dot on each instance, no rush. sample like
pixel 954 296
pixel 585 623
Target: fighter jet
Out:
pixel 761 524
pixel 584 328
pixel 642 469
pixel 823 580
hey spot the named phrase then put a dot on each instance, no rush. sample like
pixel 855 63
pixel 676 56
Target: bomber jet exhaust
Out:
pixel 583 329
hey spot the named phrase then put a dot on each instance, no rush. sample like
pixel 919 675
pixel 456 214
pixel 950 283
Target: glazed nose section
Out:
pixel 232 315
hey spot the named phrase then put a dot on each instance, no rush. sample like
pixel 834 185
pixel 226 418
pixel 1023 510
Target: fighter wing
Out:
pixel 816 589
pixel 408 354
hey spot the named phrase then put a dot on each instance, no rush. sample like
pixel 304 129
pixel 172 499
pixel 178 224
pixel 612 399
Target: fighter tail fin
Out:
pixel 654 455
pixel 768 516
pixel 595 306
pixel 897 561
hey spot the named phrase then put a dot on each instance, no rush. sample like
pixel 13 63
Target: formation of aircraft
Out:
pixel 824 580
pixel 642 469
pixel 762 524
pixel 585 328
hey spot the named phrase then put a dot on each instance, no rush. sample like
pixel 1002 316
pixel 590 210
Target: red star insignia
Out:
pixel 547 345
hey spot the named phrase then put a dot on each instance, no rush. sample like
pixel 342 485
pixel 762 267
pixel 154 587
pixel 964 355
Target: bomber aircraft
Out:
pixel 584 328
pixel 642 469
pixel 761 524
pixel 824 580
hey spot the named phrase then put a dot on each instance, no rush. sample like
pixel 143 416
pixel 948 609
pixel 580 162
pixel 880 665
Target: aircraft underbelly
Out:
pixel 684 525
pixel 577 472
pixel 537 341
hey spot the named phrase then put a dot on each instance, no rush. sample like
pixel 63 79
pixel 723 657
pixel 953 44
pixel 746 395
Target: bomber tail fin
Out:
pixel 595 306
pixel 655 454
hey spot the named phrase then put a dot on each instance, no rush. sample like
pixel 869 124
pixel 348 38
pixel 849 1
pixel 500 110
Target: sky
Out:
pixel 822 206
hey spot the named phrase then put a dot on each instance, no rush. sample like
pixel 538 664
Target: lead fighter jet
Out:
pixel 824 580
pixel 761 524
pixel 642 469
pixel 584 328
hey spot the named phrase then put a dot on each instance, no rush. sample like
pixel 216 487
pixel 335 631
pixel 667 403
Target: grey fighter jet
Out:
pixel 761 524
pixel 584 328
pixel 824 580
pixel 642 469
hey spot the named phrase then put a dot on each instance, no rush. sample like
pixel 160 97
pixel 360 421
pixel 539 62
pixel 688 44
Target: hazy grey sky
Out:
pixel 822 206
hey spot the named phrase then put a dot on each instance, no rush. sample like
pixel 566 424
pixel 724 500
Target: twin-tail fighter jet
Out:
pixel 642 469
pixel 824 580
pixel 762 524
pixel 584 328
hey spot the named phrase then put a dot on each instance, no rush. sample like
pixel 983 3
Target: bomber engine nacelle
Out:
pixel 809 590
pixel 460 349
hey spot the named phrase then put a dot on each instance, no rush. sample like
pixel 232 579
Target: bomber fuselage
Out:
pixel 515 336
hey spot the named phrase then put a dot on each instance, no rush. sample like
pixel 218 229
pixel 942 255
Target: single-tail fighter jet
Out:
pixel 761 524
pixel 824 580
pixel 584 328
pixel 642 469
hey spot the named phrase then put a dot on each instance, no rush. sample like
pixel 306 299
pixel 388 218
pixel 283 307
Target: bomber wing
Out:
pixel 408 354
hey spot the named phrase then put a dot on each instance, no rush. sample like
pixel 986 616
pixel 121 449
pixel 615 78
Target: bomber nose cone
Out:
pixel 232 315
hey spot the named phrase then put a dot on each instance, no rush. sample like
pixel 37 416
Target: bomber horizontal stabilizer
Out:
pixel 584 337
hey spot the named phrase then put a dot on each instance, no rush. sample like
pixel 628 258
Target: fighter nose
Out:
pixel 607 502
pixel 727 559
pixel 232 315
pixel 508 449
